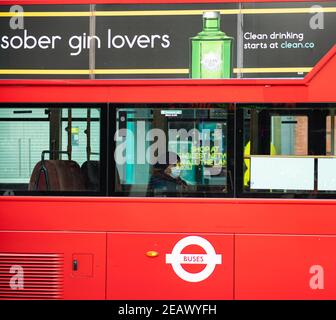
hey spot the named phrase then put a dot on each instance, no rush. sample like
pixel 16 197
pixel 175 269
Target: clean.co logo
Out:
pixel 176 259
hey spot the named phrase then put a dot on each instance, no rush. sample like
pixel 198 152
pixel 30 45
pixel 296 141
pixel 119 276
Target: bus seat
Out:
pixel 56 175
pixel 91 174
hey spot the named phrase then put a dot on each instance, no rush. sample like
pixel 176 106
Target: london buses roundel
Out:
pixel 177 258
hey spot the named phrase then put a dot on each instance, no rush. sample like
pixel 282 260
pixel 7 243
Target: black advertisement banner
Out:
pixel 165 41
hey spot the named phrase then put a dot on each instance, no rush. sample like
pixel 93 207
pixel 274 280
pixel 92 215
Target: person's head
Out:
pixel 169 164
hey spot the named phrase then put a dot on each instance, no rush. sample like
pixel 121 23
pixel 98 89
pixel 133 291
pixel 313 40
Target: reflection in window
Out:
pixel 171 150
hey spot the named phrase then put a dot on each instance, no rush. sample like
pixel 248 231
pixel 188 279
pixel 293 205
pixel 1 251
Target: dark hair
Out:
pixel 166 159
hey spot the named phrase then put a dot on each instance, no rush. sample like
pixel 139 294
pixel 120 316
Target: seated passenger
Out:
pixel 166 175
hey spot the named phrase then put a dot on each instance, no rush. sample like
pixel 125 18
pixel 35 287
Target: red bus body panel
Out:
pixel 89 249
pixel 285 267
pixel 281 216
pixel 152 278
pixel 270 249
pixel 267 246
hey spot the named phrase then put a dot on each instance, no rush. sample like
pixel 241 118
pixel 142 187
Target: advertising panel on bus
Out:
pixel 165 41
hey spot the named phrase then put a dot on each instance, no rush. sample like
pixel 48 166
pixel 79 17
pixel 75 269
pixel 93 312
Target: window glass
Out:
pixel 79 125
pixel 21 144
pixel 39 154
pixel 288 149
pixel 171 150
pixel 289 135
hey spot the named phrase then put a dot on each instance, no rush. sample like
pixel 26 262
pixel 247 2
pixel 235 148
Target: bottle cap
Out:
pixel 211 14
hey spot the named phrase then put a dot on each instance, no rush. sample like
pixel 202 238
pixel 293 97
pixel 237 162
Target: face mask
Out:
pixel 175 172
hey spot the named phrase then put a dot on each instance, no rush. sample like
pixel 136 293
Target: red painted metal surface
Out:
pixel 314 88
pixel 168 215
pixel 41 276
pixel 273 254
pixel 285 267
pixel 152 278
pixel 74 285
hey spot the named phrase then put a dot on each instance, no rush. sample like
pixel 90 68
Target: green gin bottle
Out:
pixel 211 50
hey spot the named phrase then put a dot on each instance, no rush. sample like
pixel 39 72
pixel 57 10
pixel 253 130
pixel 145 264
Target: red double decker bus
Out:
pixel 122 178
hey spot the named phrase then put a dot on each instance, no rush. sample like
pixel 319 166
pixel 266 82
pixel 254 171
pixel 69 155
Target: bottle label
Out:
pixel 211 61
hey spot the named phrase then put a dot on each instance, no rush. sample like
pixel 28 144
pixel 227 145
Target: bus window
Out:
pixel 171 150
pixel 289 150
pixel 288 136
pixel 275 150
pixel 49 149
